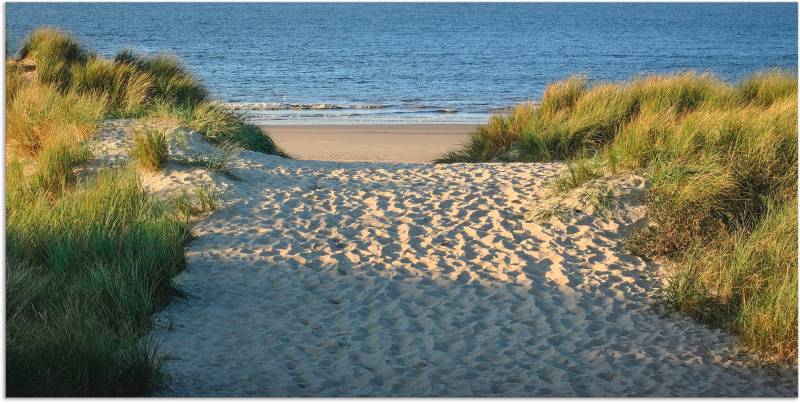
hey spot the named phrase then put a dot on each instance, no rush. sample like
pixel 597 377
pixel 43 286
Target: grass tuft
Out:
pixel 220 125
pixel 150 150
pixel 219 162
pixel 127 90
pixel 39 112
pixel 578 173
pixel 204 200
pixel 171 82
pixel 55 53
pixel 54 165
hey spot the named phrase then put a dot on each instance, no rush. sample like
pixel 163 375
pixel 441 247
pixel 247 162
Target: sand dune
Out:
pixel 378 279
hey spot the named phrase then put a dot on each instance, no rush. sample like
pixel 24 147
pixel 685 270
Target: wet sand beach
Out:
pixel 406 143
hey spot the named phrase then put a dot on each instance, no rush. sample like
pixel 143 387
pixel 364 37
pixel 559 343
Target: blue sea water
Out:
pixel 412 62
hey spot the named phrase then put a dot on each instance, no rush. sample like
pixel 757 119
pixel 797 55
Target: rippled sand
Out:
pixel 376 279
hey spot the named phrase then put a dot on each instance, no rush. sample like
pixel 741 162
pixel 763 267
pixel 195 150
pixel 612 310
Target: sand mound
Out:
pixel 350 279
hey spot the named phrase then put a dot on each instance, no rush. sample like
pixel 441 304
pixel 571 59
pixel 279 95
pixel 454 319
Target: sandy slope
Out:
pixel 348 279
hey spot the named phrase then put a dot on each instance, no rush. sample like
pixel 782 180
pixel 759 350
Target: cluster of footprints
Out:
pixel 369 279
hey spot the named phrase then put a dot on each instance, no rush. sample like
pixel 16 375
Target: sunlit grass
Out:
pixel 578 173
pixel 150 150
pixel 722 161
pixel 220 125
pixel 90 257
pixel 130 85
pixel 37 112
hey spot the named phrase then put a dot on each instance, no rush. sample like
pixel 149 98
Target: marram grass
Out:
pixel 220 126
pixel 130 85
pixel 85 270
pixel 578 173
pixel 722 161
pixel 90 257
pixel 38 112
pixel 150 150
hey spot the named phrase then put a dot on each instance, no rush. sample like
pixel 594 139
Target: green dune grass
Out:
pixel 90 258
pixel 86 267
pixel 130 85
pixel 722 160
pixel 150 151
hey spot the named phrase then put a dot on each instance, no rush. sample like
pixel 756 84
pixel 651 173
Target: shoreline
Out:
pixel 395 143
pixel 530 263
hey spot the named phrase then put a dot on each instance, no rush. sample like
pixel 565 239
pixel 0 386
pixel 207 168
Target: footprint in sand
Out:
pixel 336 291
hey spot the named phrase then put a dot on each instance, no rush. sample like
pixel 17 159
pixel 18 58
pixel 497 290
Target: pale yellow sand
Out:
pixel 378 279
pixel 395 143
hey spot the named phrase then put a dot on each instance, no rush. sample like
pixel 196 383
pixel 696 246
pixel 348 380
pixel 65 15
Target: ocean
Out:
pixel 420 62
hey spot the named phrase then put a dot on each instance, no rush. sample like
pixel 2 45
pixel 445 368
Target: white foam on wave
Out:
pixel 269 106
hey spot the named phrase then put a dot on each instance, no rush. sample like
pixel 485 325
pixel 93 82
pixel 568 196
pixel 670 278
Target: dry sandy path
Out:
pixel 376 279
pixel 350 279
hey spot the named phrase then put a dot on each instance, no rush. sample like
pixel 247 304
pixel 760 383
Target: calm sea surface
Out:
pixel 347 63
